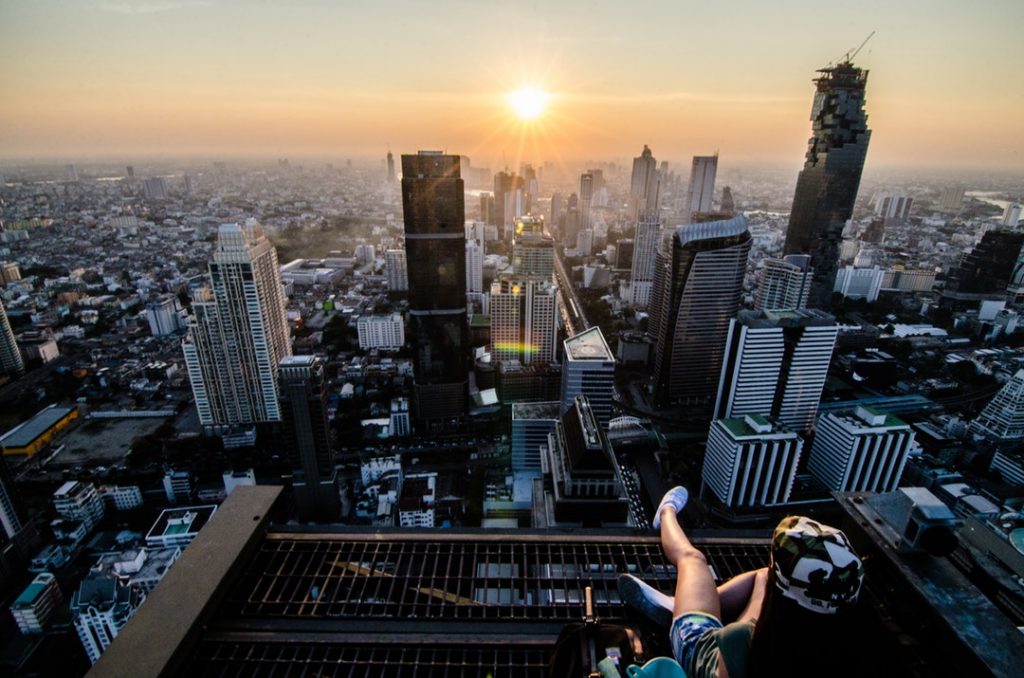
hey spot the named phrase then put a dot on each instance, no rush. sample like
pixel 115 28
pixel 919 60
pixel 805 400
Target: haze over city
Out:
pixel 144 78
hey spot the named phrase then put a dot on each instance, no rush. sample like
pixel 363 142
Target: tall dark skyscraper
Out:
pixel 391 168
pixel 304 420
pixel 827 186
pixel 698 285
pixel 435 245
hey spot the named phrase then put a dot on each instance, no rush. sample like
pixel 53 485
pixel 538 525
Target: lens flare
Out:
pixel 528 102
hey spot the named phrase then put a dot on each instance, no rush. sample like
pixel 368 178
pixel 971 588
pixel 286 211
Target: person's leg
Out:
pixel 734 595
pixel 695 587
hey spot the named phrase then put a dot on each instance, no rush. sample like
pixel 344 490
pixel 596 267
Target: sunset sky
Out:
pixel 135 78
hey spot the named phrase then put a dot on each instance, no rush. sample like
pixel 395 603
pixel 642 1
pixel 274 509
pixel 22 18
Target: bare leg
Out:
pixel 735 594
pixel 695 588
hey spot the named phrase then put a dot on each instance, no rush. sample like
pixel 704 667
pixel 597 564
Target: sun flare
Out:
pixel 528 102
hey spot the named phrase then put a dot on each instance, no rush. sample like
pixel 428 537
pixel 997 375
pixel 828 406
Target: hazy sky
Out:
pixel 349 77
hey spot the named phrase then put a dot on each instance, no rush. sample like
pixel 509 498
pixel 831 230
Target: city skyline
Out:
pixel 158 78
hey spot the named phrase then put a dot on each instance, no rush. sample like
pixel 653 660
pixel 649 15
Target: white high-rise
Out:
pixel 588 368
pixel 397 271
pixel 102 605
pixel 385 332
pixel 776 364
pixel 1002 420
pixel 645 253
pixel 524 320
pixel 1012 214
pixel 238 331
pixel 863 450
pixel 644 186
pixel 751 462
pixel 10 355
pixel 474 267
pixel 701 192
pixel 785 284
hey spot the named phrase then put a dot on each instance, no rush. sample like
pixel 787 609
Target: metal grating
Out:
pixel 248 659
pixel 455 579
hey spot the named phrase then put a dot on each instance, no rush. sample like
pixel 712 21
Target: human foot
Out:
pixel 641 596
pixel 675 498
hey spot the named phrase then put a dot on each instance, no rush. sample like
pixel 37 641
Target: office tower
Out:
pixel 165 315
pixel 1002 420
pixel 307 437
pixel 860 450
pixel 77 500
pixel 154 188
pixel 508 199
pixel 775 365
pixel 583 482
pixel 10 355
pixel 531 186
pixel 701 193
pixel 391 168
pixel 398 274
pixel 1012 214
pixel 487 214
pixel 238 331
pixel 189 184
pixel 9 272
pixel 728 203
pixel 859 283
pixel 785 284
pixel 827 186
pixel 102 605
pixel 557 208
pixel 585 242
pixel 893 207
pixel 474 267
pixel 624 250
pixel 951 198
pixel 531 425
pixel 645 253
pixel 588 368
pixel 586 198
pixel 698 285
pixel 751 462
pixel 435 246
pixel 533 250
pixel 524 319
pixel 385 332
pixel 644 187
pixel 987 270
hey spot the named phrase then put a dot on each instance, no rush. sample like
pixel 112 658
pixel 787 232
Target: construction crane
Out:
pixel 848 57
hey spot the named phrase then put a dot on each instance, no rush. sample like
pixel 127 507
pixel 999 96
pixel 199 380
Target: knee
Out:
pixel 691 557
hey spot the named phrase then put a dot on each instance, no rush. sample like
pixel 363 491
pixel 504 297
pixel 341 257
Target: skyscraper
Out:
pixel 863 450
pixel 524 319
pixel 785 284
pixel 306 436
pixel 1002 420
pixel 701 193
pixel 435 243
pixel 533 250
pixel 698 284
pixel 987 270
pixel 586 198
pixel 391 168
pixel 238 331
pixel 588 368
pixel 474 267
pixel 827 186
pixel 775 364
pixel 751 462
pixel 644 187
pixel 397 271
pixel 645 254
pixel 10 356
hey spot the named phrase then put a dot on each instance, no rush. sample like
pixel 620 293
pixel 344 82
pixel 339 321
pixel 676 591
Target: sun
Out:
pixel 528 102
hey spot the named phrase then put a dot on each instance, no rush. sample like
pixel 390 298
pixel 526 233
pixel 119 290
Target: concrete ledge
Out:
pixel 158 637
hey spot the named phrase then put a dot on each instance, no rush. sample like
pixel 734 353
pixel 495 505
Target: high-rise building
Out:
pixel 385 332
pixel 751 462
pixel 102 605
pixel 701 193
pixel 391 168
pixel 531 424
pixel 398 274
pixel 645 253
pixel 508 200
pixel 698 285
pixel 76 500
pixel 11 520
pixel 586 199
pixel 862 450
pixel 474 267
pixel 775 365
pixel 154 188
pixel 583 481
pixel 400 424
pixel 165 315
pixel 9 272
pixel 10 356
pixel 588 368
pixel 785 284
pixel 435 244
pixel 557 208
pixel 307 437
pixel 524 319
pixel 951 198
pixel 1002 420
pixel 36 604
pixel 644 187
pixel 892 206
pixel 859 283
pixel 533 250
pixel 987 270
pixel 827 186
pixel 728 203
pixel 1012 214
pixel 238 331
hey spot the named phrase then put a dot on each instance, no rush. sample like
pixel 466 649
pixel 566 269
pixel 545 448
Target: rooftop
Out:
pixel 23 434
pixel 549 410
pixel 588 345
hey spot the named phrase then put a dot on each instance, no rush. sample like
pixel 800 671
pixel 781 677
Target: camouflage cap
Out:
pixel 814 565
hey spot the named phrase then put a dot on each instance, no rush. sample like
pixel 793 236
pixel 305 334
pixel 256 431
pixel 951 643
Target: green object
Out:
pixel 660 667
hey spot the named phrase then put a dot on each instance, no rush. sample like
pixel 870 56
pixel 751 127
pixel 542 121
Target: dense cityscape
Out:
pixel 452 394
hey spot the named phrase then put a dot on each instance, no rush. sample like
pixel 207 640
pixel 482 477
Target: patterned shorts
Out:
pixel 687 631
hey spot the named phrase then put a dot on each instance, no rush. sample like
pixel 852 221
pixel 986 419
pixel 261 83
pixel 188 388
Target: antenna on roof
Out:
pixel 848 57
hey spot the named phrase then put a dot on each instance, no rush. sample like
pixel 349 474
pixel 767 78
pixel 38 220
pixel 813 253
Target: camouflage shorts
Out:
pixel 687 631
